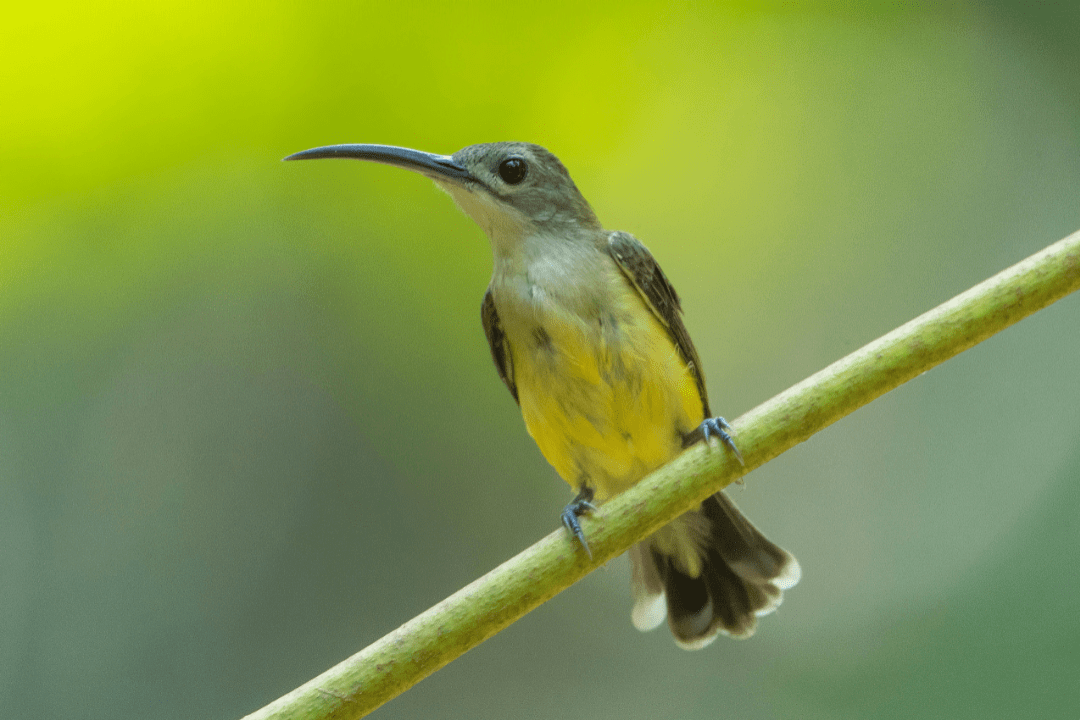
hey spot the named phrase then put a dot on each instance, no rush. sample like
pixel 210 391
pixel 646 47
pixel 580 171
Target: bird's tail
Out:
pixel 710 571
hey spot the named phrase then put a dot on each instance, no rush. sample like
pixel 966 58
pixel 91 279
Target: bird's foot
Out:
pixel 575 509
pixel 709 427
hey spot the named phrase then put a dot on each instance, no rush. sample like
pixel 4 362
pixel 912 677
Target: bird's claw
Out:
pixel 719 427
pixel 574 509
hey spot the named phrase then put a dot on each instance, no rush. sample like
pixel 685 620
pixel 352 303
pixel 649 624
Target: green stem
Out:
pixel 424 644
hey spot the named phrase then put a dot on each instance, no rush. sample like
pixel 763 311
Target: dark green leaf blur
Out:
pixel 249 422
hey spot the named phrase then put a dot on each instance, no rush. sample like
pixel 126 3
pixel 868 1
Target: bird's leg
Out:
pixel 575 509
pixel 717 426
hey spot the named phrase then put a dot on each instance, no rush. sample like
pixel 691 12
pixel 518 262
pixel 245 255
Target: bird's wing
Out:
pixel 642 270
pixel 500 348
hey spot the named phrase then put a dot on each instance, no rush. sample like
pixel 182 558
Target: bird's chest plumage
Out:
pixel 603 390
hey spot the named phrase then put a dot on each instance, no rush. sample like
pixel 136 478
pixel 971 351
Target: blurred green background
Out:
pixel 248 418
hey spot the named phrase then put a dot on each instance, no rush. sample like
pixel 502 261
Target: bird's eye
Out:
pixel 513 170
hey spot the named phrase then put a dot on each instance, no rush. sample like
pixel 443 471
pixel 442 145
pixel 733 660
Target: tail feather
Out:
pixel 741 576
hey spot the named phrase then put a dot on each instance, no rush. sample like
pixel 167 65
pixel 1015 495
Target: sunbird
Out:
pixel 586 332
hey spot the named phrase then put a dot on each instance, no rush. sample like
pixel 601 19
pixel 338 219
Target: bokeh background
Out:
pixel 248 419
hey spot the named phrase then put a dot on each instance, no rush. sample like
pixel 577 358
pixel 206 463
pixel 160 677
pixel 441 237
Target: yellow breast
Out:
pixel 605 395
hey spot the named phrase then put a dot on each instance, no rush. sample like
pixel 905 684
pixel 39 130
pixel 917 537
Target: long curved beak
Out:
pixel 429 164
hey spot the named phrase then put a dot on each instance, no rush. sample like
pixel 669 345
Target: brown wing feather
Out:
pixel 500 348
pixel 641 269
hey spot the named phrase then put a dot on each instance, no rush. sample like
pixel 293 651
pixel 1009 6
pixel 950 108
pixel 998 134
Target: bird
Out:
pixel 586 332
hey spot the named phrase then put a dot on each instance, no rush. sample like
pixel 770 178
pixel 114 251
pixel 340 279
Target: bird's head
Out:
pixel 511 189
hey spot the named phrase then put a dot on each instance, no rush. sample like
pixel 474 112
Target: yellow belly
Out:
pixel 607 401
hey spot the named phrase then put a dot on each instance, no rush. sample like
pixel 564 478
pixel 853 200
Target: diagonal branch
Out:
pixel 421 646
